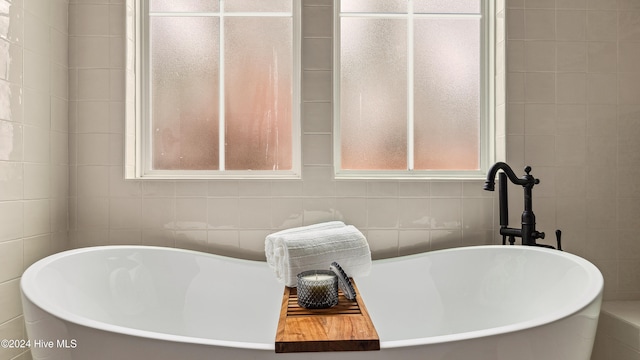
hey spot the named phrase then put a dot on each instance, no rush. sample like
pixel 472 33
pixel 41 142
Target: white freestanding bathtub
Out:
pixel 135 302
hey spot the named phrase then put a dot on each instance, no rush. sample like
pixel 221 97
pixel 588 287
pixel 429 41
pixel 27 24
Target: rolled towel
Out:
pixel 274 254
pixel 298 251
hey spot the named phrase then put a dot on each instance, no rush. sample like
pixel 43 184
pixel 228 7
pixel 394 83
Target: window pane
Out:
pixel 184 92
pixel 447 6
pixel 258 5
pixel 183 5
pixel 393 6
pixel 373 97
pixel 258 93
pixel 447 93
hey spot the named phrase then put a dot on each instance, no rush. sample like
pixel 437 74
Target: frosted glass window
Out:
pixel 258 93
pixel 373 94
pixel 409 87
pixel 219 88
pixel 184 80
pixel 447 94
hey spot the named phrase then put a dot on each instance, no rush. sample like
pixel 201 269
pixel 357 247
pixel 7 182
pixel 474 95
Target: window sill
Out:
pixel 216 175
pixel 411 175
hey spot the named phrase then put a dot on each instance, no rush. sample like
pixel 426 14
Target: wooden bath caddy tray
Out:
pixel 343 327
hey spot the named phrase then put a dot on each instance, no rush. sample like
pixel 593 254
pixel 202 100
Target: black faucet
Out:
pixel 528 232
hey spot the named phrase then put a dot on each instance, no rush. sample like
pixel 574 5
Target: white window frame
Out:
pixel 488 102
pixel 138 145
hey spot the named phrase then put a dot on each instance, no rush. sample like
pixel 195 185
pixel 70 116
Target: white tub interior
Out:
pixel 162 293
pixel 476 291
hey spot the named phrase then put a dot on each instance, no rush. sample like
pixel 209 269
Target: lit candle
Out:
pixel 318 284
pixel 317 289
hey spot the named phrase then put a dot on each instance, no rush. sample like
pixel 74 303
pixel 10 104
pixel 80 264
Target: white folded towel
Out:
pixel 274 253
pixel 292 251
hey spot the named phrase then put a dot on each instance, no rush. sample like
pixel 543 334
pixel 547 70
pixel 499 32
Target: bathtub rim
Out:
pixel 594 290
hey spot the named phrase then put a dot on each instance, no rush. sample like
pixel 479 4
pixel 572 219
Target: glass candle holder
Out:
pixel 317 289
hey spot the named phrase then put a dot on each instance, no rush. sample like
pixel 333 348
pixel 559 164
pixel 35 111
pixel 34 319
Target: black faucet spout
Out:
pixel 490 183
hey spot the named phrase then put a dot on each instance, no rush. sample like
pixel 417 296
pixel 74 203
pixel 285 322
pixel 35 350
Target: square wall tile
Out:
pixel 629 56
pixel 11 220
pixel 93 84
pixel 382 213
pixel 629 89
pixel 256 213
pixel 12 183
pixel 37 108
pixel 540 24
pixel 318 21
pixel 602 25
pixel 571 56
pixel 602 88
pixel 36 217
pixel 158 213
pixel 10 300
pixel 36 181
pixel 571 25
pixel 540 55
pixel 93 212
pixel 36 248
pixel 317 54
pixel 414 213
pixel 571 88
pixel 603 56
pixel 540 87
pixel 11 260
pixel 36 30
pixel 317 117
pixel 317 149
pixel 286 213
pixel 515 24
pixel 628 25
pixel 125 213
pixel 540 119
pixel 191 213
pixel 446 213
pixel 352 211
pixel 223 213
pixel 89 51
pixel 88 19
pixel 317 86
pixel 36 70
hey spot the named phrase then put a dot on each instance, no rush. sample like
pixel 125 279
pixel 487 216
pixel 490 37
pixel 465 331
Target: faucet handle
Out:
pixel 558 239
pixel 528 170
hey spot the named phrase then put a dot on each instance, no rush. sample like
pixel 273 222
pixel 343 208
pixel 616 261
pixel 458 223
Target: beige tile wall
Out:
pixel 34 158
pixel 573 85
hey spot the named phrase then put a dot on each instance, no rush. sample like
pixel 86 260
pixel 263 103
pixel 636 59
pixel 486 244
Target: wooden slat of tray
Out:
pixel 343 327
